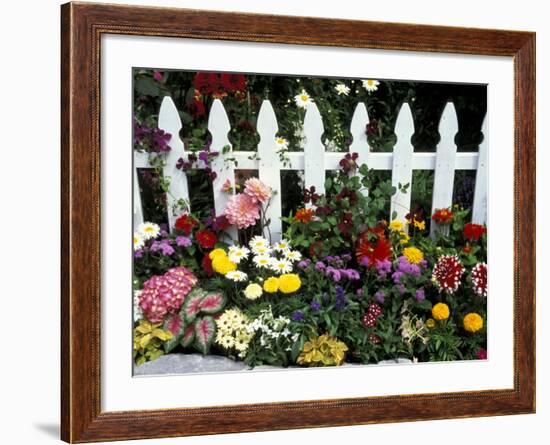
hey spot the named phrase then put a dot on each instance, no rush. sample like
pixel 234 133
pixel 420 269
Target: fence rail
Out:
pixel 315 161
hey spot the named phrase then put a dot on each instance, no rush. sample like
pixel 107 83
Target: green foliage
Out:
pixel 149 339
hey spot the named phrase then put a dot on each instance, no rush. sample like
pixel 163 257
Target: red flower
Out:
pixel 447 273
pixel 467 248
pixel 349 162
pixel 233 82
pixel 196 108
pixel 315 249
pixel 375 250
pixel 220 223
pixel 442 216
pixel 206 83
pixel 481 354
pixel 473 231
pixel 304 215
pixel 346 223
pixel 206 264
pixel 206 239
pixel 186 223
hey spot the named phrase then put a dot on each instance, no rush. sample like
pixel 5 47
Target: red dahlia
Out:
pixel 206 239
pixel 304 215
pixel 442 216
pixel 375 250
pixel 447 273
pixel 186 223
pixel 206 83
pixel 206 264
pixel 233 82
pixel 479 279
pixel 473 232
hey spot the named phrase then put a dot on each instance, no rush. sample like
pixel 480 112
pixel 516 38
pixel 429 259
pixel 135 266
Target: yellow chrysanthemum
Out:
pixel 217 252
pixel 441 311
pixel 271 285
pixel 404 238
pixel 289 283
pixel 223 265
pixel 430 323
pixel 413 255
pixel 473 322
pixel 396 226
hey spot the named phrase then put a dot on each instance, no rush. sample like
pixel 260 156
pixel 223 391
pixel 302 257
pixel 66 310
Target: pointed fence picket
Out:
pixel 315 160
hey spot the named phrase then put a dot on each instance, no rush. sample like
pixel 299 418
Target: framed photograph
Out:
pixel 274 222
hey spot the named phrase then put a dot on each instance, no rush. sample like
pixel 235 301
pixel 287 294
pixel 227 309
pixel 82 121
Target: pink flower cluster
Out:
pixel 243 210
pixel 164 294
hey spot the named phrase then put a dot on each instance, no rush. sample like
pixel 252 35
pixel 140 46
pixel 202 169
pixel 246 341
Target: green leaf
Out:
pixel 147 86
pixel 191 307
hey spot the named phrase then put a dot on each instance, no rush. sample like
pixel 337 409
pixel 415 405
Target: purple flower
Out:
pixel 420 295
pixel 401 289
pixel 163 247
pixel 346 257
pixel 364 261
pixel 319 265
pixel 157 75
pixel 160 140
pixel 203 156
pixel 183 241
pixel 297 315
pixel 329 259
pixel 333 273
pixel 359 292
pixel 304 264
pixel 350 274
pixel 380 296
pixel 138 253
pixel 383 268
pixel 315 305
pixel 340 298
pixel 396 276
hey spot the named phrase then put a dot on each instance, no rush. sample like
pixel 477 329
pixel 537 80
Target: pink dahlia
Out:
pixel 242 211
pixel 257 190
pixel 447 273
pixel 164 294
pixel 479 279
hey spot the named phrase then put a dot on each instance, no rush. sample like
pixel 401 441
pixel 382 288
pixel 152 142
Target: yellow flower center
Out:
pixel 304 98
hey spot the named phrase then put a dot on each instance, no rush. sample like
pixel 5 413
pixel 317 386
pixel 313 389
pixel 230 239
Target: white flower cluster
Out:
pixel 279 257
pixel 272 330
pixel 138 312
pixel 233 331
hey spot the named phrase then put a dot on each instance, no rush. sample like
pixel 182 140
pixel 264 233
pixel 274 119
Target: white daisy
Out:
pixel 138 312
pixel 281 266
pixel 293 255
pixel 281 143
pixel 258 241
pixel 148 230
pixel 263 261
pixel 139 242
pixel 236 275
pixel 236 254
pixel 262 251
pixel 342 89
pixel 303 99
pixel 370 85
pixel 282 246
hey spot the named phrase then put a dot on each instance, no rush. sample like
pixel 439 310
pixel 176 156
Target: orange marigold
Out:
pixel 304 215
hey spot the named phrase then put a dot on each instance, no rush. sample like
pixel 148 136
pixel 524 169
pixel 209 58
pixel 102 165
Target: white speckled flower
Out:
pixel 342 89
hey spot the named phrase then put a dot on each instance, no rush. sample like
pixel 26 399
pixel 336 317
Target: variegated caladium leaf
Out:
pixel 212 303
pixel 188 335
pixel 191 306
pixel 174 324
pixel 205 330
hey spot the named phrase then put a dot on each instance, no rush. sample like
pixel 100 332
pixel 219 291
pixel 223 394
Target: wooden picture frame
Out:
pixel 82 26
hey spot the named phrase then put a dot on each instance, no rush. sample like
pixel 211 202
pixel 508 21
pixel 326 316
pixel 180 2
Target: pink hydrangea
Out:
pixel 257 190
pixel 164 294
pixel 242 211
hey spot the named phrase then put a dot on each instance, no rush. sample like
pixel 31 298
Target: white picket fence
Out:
pixel 315 161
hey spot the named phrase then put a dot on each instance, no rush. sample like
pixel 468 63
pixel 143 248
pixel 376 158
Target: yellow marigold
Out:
pixel 217 252
pixel 413 255
pixel 223 265
pixel 473 322
pixel 253 291
pixel 396 226
pixel 441 311
pixel 289 282
pixel 430 323
pixel 271 285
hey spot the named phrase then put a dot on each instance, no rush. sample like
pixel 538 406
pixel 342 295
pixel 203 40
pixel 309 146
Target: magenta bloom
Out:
pixel 164 294
pixel 257 190
pixel 481 354
pixel 242 211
